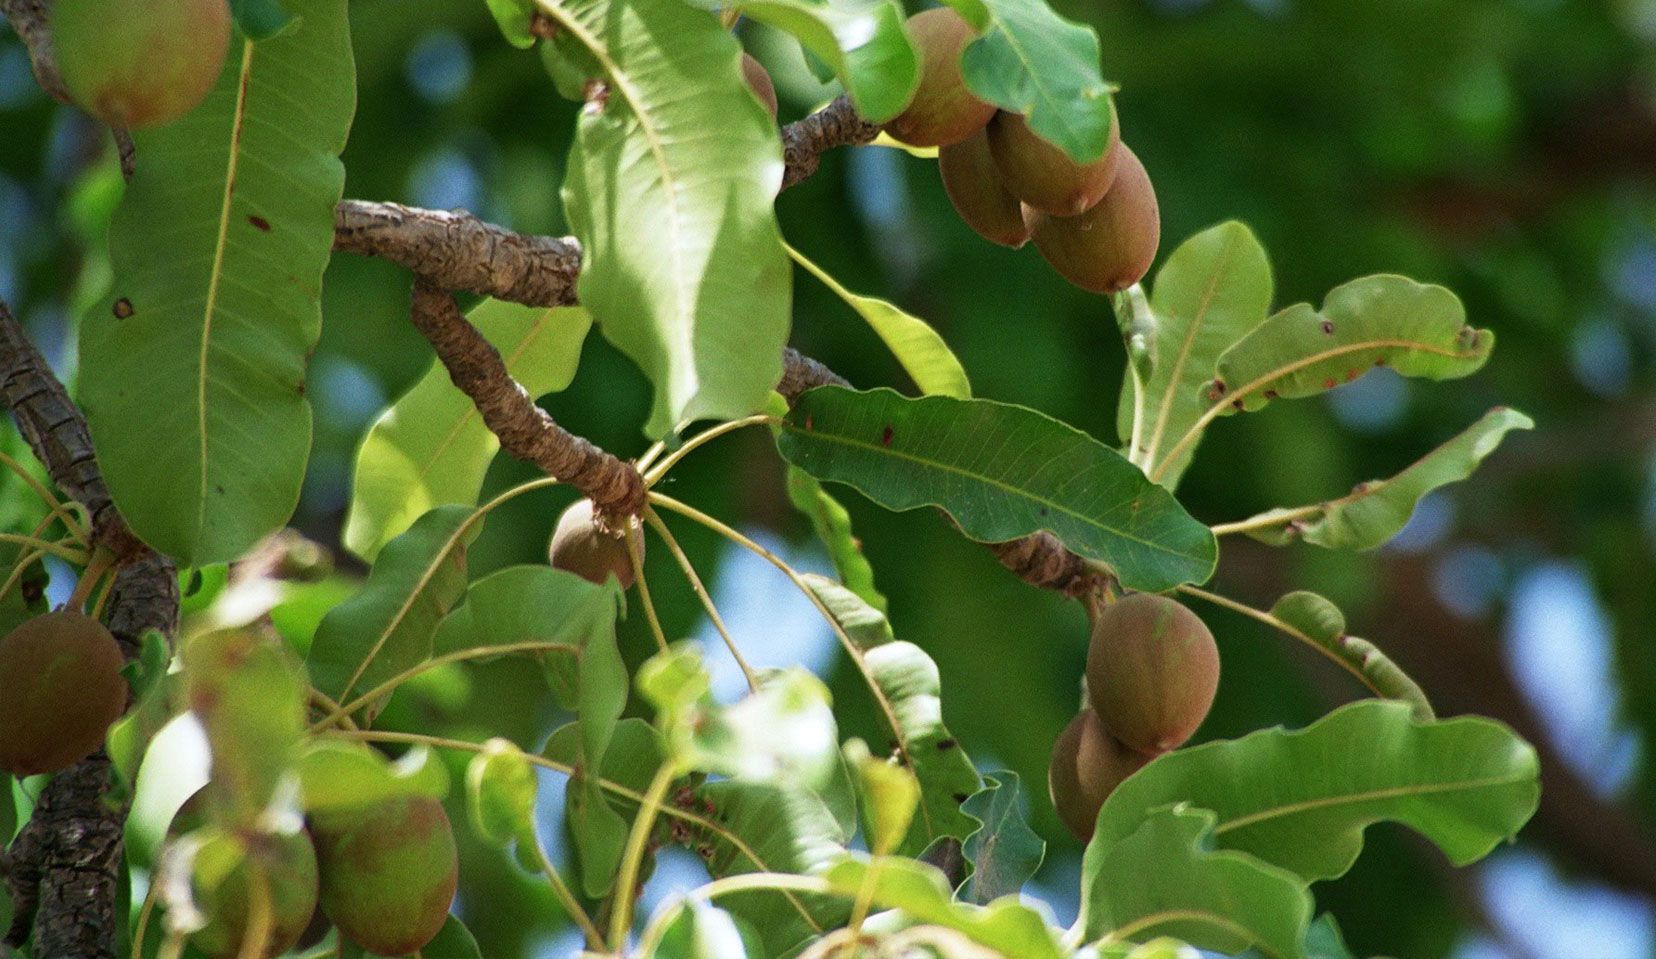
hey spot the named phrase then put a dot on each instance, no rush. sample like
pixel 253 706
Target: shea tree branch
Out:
pixel 65 864
pixel 525 430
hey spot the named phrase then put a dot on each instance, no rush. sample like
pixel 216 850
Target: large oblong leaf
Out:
pixel 1166 879
pixel 671 179
pixel 1034 62
pixel 1374 512
pixel 1301 800
pixel 430 447
pixel 1383 320
pixel 861 41
pixel 386 629
pixel 909 681
pixel 1001 471
pixel 1213 290
pixel 193 369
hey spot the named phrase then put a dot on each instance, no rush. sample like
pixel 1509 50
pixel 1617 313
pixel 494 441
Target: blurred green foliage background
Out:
pixel 1505 148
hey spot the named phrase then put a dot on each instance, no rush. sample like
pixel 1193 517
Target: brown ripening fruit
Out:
pixel 1152 671
pixel 581 546
pixel 60 690
pixel 389 872
pixel 1111 246
pixel 140 63
pixel 760 81
pixel 1087 765
pixel 289 866
pixel 978 195
pixel 1042 175
pixel 942 111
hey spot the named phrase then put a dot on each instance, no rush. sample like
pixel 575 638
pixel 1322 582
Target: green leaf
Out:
pixel 152 708
pixel 908 679
pixel 500 793
pixel 862 42
pixel 1034 62
pixel 260 19
pixel 1301 800
pixel 833 527
pixel 1001 472
pixel 1007 925
pixel 684 268
pixel 1213 289
pixel 27 599
pixel 867 626
pixel 1166 878
pixel 702 931
pixel 514 18
pixel 539 604
pixel 1384 320
pixel 336 774
pixel 1320 622
pixel 249 697
pixel 1004 851
pixel 890 795
pixel 430 447
pixel 453 941
pixel 386 629
pixel 924 355
pixel 771 828
pixel 596 819
pixel 218 250
pixel 1372 513
pixel 782 732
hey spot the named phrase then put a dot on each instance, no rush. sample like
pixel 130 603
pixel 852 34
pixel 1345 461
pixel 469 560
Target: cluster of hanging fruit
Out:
pixel 383 873
pixel 1097 223
pixel 1152 671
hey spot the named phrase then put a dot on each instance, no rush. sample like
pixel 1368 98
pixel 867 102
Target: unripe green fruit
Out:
pixel 60 690
pixel 975 188
pixel 943 111
pixel 1152 671
pixel 1111 246
pixel 389 872
pixel 140 63
pixel 1042 175
pixel 1087 765
pixel 760 81
pixel 581 546
pixel 289 864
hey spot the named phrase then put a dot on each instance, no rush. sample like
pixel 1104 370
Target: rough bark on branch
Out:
pixel 525 430
pixel 457 251
pixel 65 864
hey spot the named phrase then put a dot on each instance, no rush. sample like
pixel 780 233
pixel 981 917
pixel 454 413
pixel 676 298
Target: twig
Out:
pixel 525 430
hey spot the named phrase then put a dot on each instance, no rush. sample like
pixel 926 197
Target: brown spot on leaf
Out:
pixel 259 223
pixel 1328 327
pixel 1330 383
pixel 946 744
pixel 1350 375
pixel 1272 395
pixel 885 436
pixel 122 308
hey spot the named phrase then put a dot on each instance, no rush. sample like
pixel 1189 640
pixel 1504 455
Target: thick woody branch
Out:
pixel 457 251
pixel 525 430
pixel 805 141
pixel 64 865
pixel 55 430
